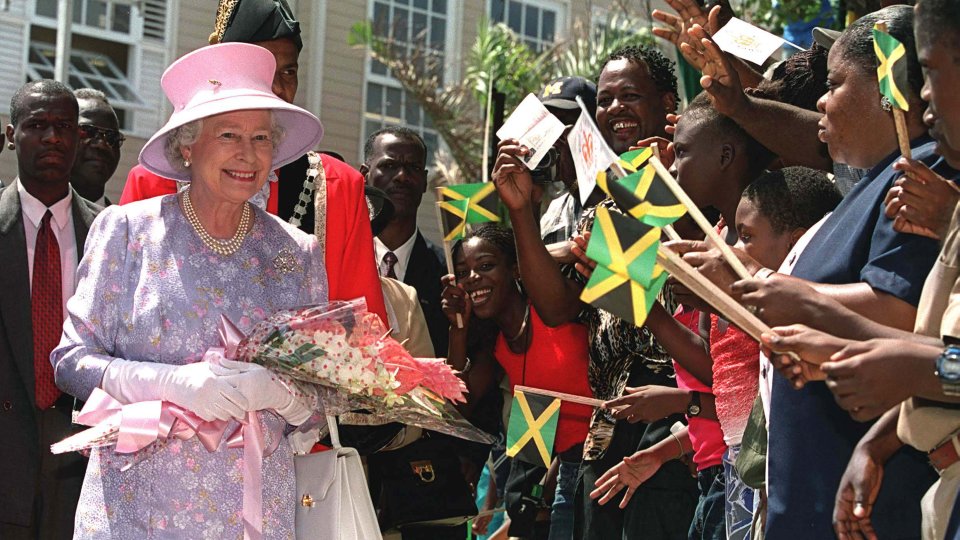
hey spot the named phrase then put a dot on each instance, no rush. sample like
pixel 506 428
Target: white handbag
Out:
pixel 333 501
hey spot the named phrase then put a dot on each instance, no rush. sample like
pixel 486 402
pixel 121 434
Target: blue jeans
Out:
pixel 561 516
pixel 709 520
pixel 739 502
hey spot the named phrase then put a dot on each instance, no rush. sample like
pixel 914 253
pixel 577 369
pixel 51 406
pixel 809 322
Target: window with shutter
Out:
pixel 118 47
pixel 538 22
pixel 410 24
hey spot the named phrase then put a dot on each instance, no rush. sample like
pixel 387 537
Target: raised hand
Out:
pixel 648 403
pixel 511 176
pixel 921 202
pixel 584 264
pixel 664 147
pixel 720 79
pixel 454 300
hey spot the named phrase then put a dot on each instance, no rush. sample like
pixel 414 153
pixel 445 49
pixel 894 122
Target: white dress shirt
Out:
pixel 62 224
pixel 403 254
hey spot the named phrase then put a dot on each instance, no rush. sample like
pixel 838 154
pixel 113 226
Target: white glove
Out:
pixel 194 387
pixel 265 389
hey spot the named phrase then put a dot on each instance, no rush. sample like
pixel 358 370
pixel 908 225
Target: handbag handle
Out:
pixel 334 432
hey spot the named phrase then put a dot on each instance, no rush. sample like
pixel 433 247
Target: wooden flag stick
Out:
pixel 560 395
pixel 701 220
pixel 714 295
pixel 721 301
pixel 446 245
pixel 671 233
pixel 903 139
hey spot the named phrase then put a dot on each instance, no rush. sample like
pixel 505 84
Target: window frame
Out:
pixel 451 72
pixel 561 7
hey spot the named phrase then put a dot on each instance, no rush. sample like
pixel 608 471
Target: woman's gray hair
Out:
pixel 188 134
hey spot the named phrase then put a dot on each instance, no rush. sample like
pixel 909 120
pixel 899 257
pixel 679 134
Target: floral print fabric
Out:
pixel 149 290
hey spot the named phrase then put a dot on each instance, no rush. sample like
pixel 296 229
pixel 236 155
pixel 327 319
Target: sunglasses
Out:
pixel 90 133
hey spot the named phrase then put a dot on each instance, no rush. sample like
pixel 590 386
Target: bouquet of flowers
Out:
pixel 346 352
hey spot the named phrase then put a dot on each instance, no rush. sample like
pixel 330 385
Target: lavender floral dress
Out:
pixel 149 290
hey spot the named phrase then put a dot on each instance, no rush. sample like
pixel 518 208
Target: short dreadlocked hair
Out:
pixel 793 197
pixel 500 237
pixel 661 68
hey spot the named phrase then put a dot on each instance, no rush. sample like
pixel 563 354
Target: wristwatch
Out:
pixel 948 370
pixel 693 409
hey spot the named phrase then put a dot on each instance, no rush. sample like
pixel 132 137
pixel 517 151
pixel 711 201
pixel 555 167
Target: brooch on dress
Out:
pixel 286 263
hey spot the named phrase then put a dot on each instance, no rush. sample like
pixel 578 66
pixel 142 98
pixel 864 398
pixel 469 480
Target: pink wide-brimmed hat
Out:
pixel 225 78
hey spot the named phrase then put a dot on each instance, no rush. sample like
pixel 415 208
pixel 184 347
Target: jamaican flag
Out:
pixel 626 281
pixel 454 218
pixel 642 193
pixel 532 427
pixel 483 201
pixel 892 71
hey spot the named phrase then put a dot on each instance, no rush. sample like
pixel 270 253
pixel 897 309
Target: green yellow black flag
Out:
pixel 892 71
pixel 483 201
pixel 642 193
pixel 454 218
pixel 626 281
pixel 532 428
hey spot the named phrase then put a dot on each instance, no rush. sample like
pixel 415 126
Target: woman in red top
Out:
pixel 487 284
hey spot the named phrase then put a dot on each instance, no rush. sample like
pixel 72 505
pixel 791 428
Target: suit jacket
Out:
pixel 410 329
pixel 22 446
pixel 427 265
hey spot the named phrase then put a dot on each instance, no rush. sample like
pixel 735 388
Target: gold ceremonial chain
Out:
pixel 309 186
pixel 224 248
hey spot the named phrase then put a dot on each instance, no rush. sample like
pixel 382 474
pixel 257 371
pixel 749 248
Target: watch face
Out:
pixel 693 410
pixel 948 365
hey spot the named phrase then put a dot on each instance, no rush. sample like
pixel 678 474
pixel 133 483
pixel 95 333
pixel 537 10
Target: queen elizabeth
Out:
pixel 154 279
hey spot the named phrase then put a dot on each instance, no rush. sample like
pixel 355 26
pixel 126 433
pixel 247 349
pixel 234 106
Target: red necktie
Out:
pixel 46 310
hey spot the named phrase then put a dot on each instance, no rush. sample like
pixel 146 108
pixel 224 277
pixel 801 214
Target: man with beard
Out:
pixel 98 150
pixel 43 225
pixel 343 225
pixel 637 89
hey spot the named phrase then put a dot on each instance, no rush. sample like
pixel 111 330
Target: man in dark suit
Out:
pixel 395 160
pixel 43 226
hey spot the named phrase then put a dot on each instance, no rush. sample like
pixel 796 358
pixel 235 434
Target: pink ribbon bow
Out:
pixel 140 424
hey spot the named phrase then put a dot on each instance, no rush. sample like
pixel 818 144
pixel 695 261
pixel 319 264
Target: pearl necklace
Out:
pixel 224 248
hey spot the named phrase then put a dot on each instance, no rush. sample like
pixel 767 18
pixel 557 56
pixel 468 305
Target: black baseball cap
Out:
pixel 562 93
pixel 825 37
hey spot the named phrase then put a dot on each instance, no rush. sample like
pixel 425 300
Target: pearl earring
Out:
pixel 186 163
pixel 10 145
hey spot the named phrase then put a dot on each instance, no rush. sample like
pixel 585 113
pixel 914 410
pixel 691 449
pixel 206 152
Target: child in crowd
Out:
pixel 487 284
pixel 774 212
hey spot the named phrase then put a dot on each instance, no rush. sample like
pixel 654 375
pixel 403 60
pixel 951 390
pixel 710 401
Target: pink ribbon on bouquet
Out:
pixel 140 424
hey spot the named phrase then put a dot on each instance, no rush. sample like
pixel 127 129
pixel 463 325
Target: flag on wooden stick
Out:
pixel 533 427
pixel 892 71
pixel 484 203
pixel 454 218
pixel 642 193
pixel 626 281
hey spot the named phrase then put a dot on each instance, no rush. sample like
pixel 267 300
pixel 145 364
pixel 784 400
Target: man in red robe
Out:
pixel 344 228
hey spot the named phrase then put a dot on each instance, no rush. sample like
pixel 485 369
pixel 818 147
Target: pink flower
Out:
pixel 254 261
pixel 439 377
pixel 162 524
pixel 189 463
pixel 245 322
pixel 198 517
pixel 211 258
pixel 258 312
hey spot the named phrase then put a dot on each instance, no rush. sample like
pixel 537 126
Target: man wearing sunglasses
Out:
pixel 98 148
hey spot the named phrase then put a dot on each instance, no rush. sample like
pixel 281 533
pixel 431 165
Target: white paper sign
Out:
pixel 746 41
pixel 533 125
pixel 590 154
